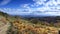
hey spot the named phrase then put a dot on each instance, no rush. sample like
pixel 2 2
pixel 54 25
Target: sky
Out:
pixel 14 3
pixel 31 7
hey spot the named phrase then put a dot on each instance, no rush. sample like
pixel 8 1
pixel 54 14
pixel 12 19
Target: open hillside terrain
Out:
pixel 17 25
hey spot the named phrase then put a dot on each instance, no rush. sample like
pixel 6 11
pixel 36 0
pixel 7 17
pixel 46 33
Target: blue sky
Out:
pixel 15 3
pixel 31 7
pixel 30 3
pixel 18 3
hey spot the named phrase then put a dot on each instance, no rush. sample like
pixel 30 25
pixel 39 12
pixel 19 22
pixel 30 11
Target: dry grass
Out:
pixel 21 26
pixel 29 28
pixel 4 25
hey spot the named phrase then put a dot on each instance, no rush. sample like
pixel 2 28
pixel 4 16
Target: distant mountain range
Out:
pixel 43 18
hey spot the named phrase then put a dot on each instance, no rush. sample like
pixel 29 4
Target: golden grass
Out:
pixel 29 28
pixel 21 26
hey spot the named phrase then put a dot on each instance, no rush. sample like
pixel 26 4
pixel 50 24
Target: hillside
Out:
pixel 18 25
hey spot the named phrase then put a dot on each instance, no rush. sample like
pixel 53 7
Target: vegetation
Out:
pixel 29 26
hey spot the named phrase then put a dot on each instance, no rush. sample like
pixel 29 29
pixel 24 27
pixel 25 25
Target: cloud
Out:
pixel 48 8
pixel 4 2
pixel 44 5
pixel 39 2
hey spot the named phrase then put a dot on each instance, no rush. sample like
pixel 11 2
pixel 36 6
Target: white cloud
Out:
pixel 4 2
pixel 25 6
pixel 49 6
pixel 39 2
pixel 52 4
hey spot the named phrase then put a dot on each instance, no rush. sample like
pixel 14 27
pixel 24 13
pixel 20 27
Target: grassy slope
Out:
pixel 22 26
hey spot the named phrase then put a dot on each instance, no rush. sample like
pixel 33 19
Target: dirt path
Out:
pixel 3 26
